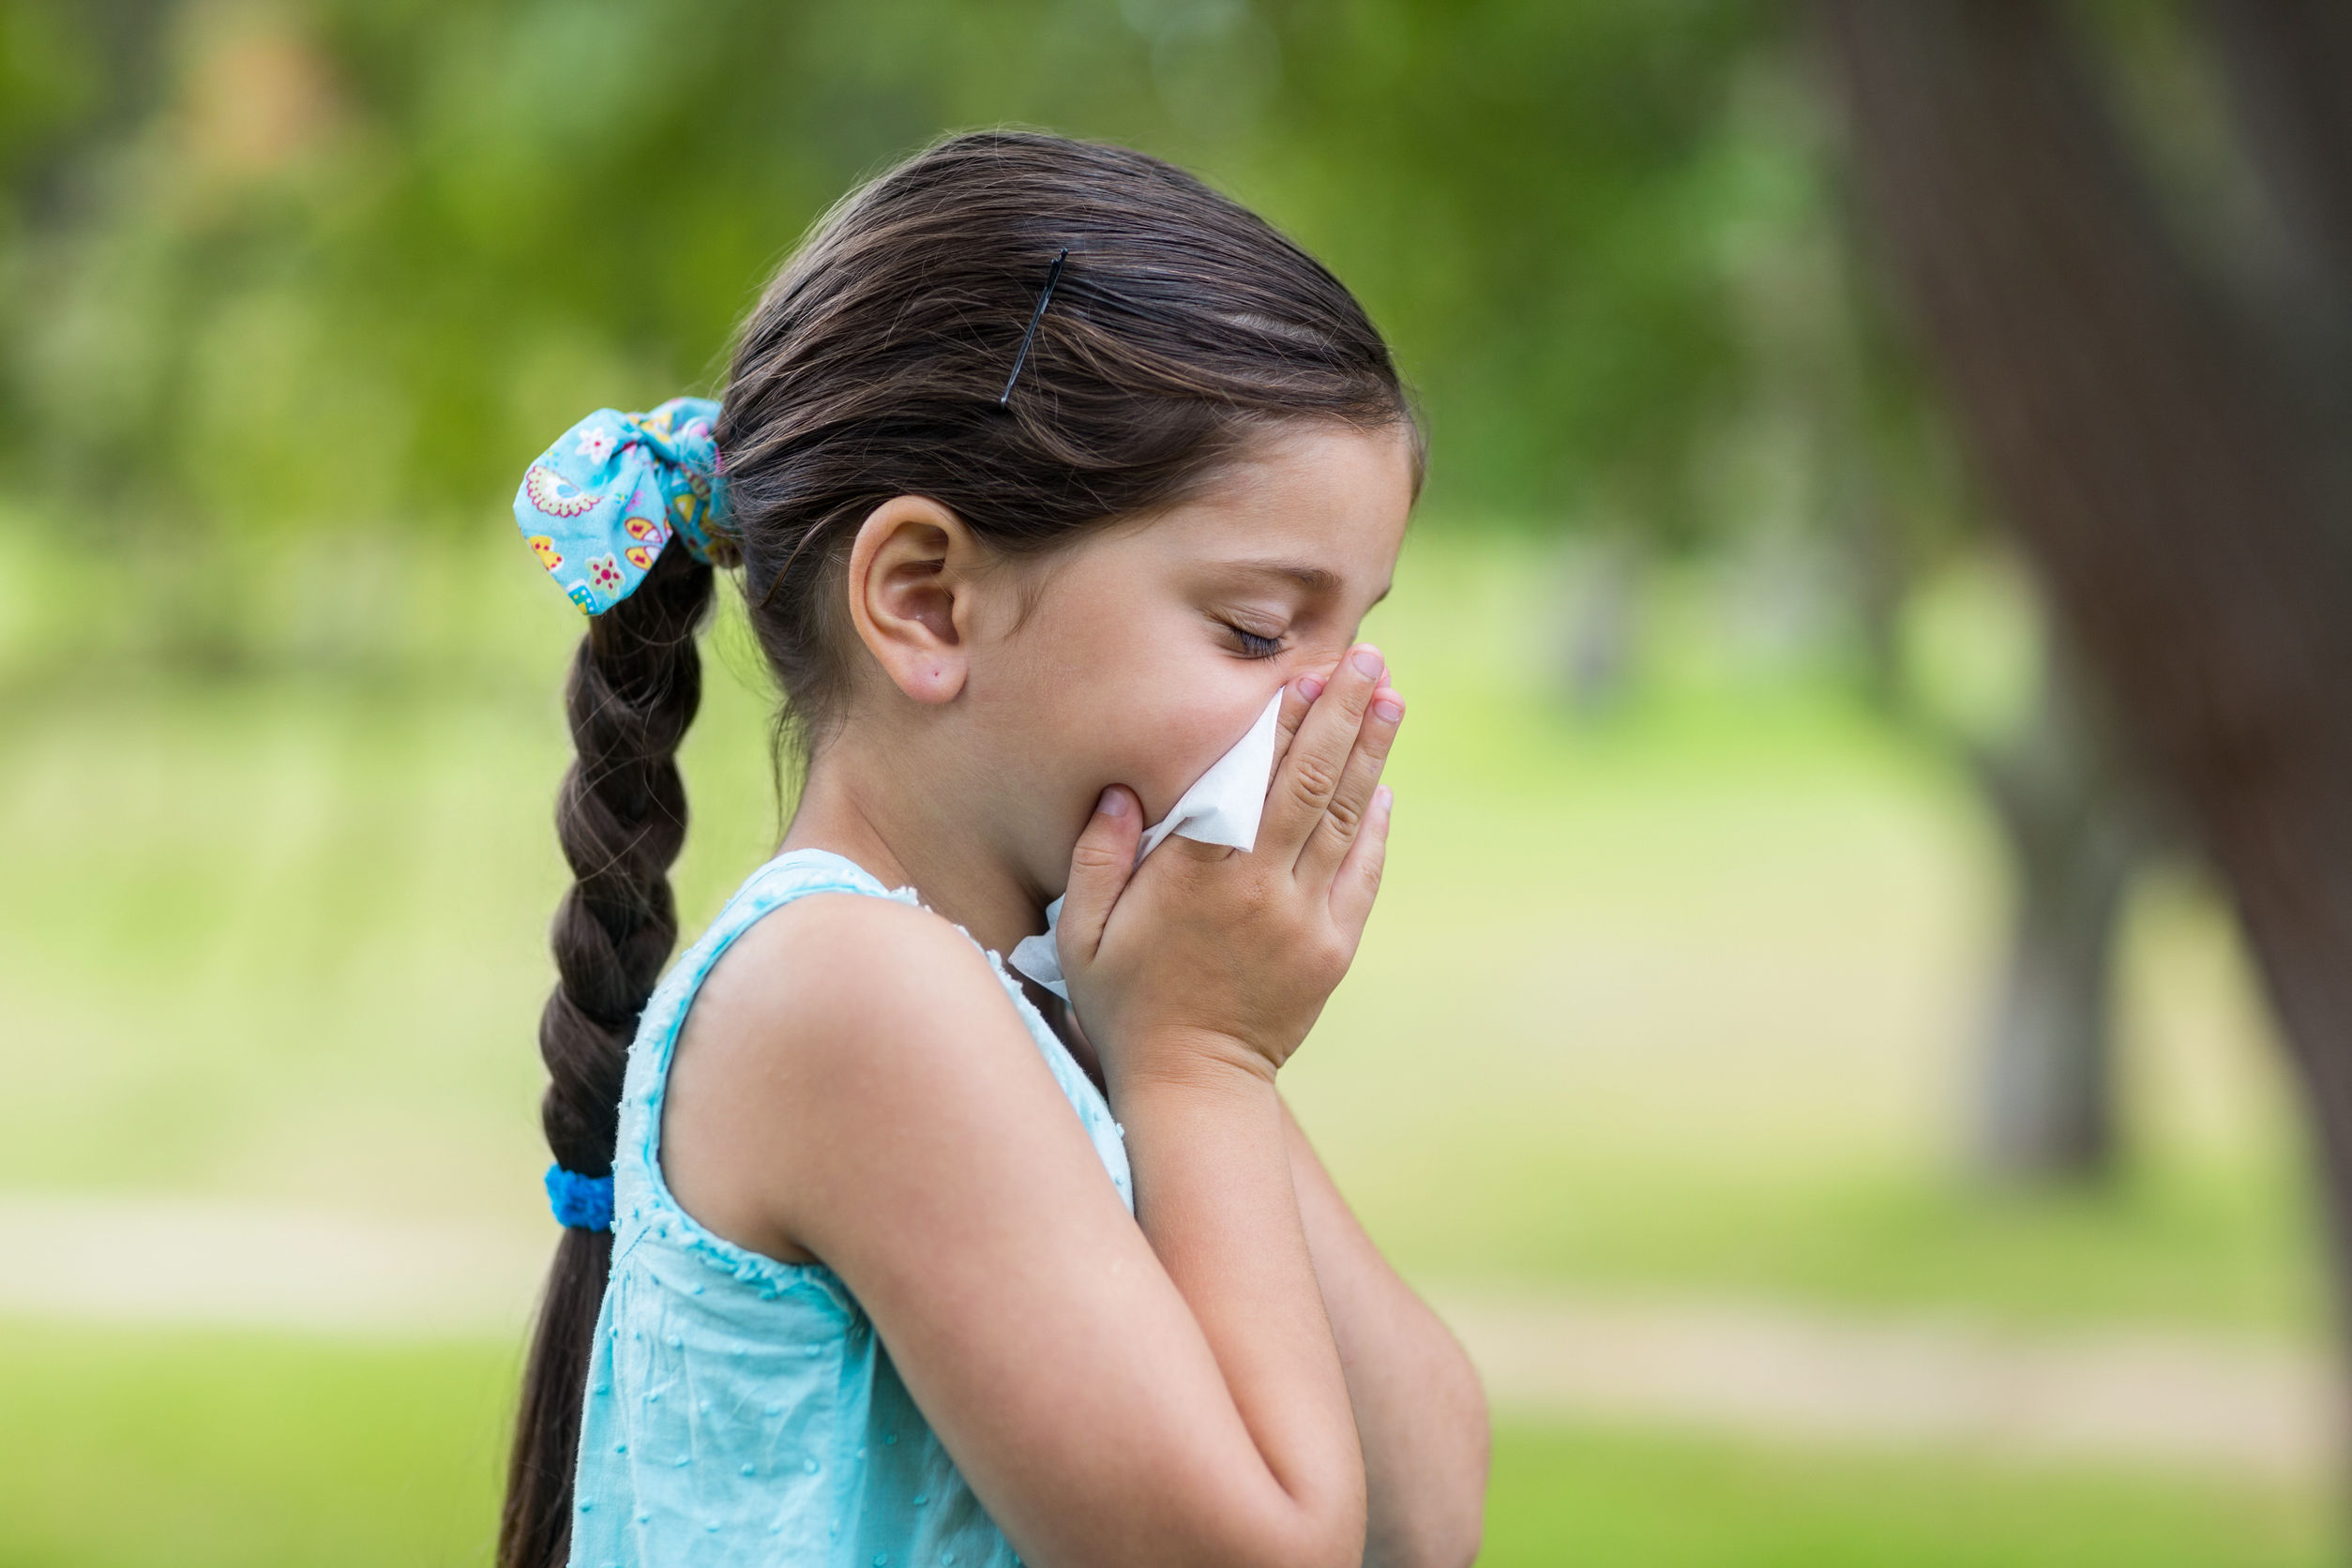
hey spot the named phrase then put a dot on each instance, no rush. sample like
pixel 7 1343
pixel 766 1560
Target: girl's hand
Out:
pixel 1207 951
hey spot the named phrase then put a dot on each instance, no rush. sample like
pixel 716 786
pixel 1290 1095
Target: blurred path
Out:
pixel 1772 1373
pixel 200 1262
pixel 1783 1374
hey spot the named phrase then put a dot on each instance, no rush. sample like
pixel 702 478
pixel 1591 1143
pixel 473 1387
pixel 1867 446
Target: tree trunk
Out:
pixel 1600 621
pixel 2045 1108
pixel 2174 477
pixel 2074 832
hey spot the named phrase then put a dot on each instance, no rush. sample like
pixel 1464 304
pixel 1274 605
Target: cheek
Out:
pixel 1139 696
pixel 1158 743
pixel 1157 748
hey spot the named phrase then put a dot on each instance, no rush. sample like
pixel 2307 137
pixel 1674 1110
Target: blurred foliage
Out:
pixel 284 273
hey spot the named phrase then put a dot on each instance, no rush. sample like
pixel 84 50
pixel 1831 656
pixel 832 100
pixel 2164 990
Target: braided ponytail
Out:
pixel 621 817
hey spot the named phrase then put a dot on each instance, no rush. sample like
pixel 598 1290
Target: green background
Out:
pixel 1671 998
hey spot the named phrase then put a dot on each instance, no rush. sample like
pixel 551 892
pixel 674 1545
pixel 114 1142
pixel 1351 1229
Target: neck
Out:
pixel 861 810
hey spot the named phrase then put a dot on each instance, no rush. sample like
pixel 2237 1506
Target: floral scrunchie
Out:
pixel 601 504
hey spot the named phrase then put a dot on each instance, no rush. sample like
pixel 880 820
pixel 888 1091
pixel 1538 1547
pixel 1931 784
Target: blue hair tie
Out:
pixel 601 504
pixel 580 1202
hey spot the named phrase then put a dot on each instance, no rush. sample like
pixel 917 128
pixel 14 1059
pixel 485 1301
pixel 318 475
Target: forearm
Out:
pixel 1215 1197
pixel 1420 1412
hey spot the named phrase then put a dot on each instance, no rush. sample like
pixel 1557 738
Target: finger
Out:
pixel 1100 864
pixel 1297 698
pixel 1359 880
pixel 1329 843
pixel 1308 774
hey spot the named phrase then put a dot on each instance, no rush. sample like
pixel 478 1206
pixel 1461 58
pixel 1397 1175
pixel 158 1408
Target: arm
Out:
pixel 852 1085
pixel 1165 1390
pixel 1419 1410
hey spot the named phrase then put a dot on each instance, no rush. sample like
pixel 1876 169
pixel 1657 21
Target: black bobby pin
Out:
pixel 1052 273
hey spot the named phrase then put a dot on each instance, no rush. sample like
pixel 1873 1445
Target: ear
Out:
pixel 913 584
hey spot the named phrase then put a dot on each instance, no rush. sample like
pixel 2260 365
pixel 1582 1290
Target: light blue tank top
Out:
pixel 740 1410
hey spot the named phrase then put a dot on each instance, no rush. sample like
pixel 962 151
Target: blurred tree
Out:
pixel 289 278
pixel 321 270
pixel 1550 205
pixel 2070 819
pixel 2076 835
pixel 2153 358
pixel 2075 825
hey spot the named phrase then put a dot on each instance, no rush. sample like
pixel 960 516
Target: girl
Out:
pixel 1045 468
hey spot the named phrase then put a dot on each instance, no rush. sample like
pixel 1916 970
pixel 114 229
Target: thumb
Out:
pixel 1100 864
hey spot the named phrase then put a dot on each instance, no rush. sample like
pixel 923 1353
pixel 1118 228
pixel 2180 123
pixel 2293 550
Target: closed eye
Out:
pixel 1251 644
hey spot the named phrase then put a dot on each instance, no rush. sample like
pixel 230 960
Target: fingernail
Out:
pixel 1113 804
pixel 1383 798
pixel 1310 687
pixel 1367 661
pixel 1388 710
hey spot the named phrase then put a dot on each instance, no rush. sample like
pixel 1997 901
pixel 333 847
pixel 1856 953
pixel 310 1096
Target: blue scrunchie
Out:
pixel 601 503
pixel 580 1202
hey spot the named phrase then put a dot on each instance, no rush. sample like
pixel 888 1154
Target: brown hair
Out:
pixel 1181 328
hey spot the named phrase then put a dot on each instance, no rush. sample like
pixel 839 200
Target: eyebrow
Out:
pixel 1315 579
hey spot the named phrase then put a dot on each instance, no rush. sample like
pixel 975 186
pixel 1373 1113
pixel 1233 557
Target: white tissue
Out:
pixel 1222 806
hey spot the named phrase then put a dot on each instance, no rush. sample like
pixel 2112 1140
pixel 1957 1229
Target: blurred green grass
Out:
pixel 226 1451
pixel 1632 1499
pixel 244 1451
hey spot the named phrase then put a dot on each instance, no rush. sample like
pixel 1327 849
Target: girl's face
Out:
pixel 1149 647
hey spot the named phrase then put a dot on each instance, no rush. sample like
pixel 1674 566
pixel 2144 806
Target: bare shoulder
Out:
pixel 831 967
pixel 835 1021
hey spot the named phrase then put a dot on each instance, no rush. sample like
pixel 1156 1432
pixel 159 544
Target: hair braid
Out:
pixel 621 817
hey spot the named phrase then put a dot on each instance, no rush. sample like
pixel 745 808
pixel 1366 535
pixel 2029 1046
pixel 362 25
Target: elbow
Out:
pixel 1331 1537
pixel 1341 1544
pixel 1458 1526
pixel 1447 1536
pixel 1261 1527
pixel 1295 1544
pixel 1447 1533
pixel 1463 1521
pixel 1328 1533
pixel 1445 1524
